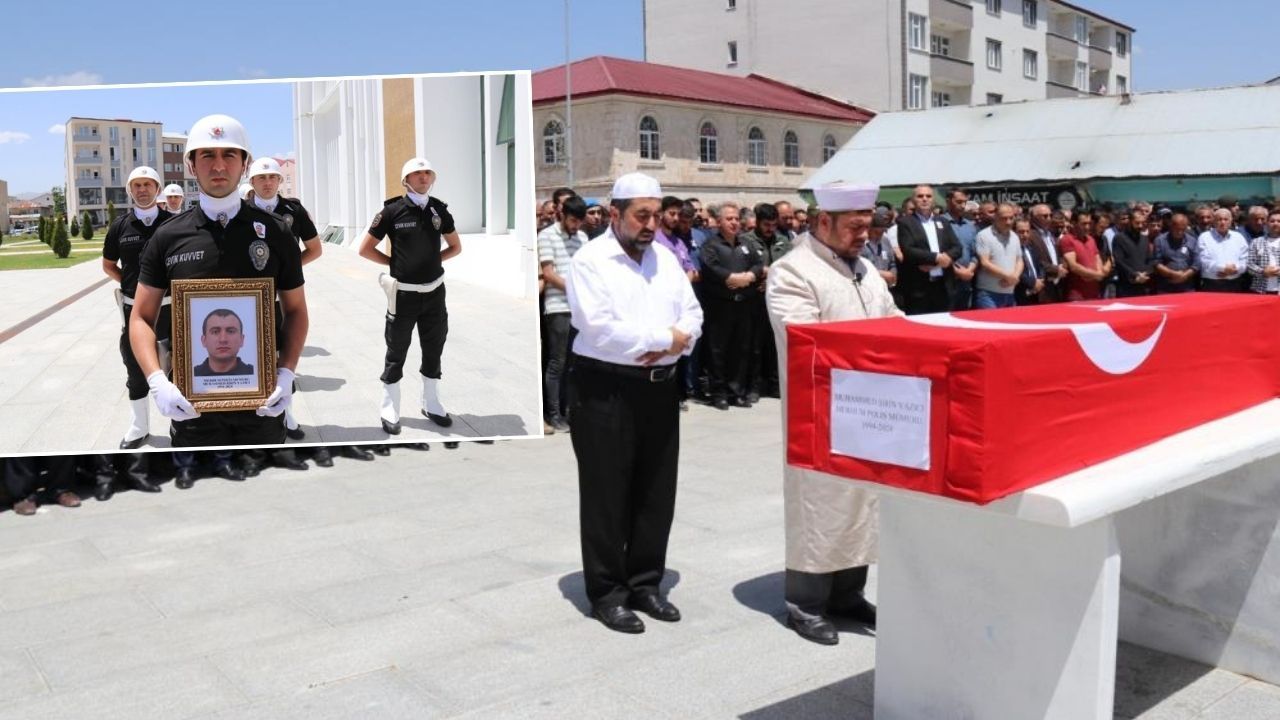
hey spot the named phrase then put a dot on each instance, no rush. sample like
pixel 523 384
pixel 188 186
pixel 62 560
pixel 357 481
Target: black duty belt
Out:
pixel 653 373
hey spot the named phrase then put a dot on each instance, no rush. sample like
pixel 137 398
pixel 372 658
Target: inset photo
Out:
pixel 254 263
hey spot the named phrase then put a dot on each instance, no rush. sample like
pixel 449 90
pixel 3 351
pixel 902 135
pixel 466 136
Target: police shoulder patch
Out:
pixel 377 219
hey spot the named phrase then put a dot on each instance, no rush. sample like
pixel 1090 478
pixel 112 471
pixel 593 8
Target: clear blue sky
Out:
pixel 1179 44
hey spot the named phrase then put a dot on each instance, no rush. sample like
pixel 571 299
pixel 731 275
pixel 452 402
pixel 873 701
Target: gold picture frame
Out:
pixel 217 326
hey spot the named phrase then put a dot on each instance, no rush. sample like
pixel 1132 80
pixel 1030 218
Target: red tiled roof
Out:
pixel 602 75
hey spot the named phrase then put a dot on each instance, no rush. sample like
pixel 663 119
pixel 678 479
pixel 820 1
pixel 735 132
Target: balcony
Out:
pixel 951 14
pixel 86 137
pixel 950 71
pixel 1061 46
pixel 1099 58
pixel 1060 90
pixel 88 183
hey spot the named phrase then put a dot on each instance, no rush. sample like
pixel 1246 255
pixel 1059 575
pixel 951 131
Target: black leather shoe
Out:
pixel 819 630
pixel 558 423
pixel 354 452
pixel 441 420
pixel 753 397
pixel 295 434
pixel 655 607
pixel 227 471
pixel 322 456
pixel 383 450
pixel 741 402
pixel 133 444
pixel 287 459
pixel 102 491
pixel 184 478
pixel 720 404
pixel 860 612
pixel 418 446
pixel 142 484
pixel 451 445
pixel 618 619
pixel 391 428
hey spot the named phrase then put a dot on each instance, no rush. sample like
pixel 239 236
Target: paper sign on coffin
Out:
pixel 978 405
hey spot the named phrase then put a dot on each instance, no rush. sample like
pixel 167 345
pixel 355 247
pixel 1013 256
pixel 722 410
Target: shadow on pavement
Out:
pixel 313 351
pixel 313 383
pixel 575 592
pixel 848 699
pixel 467 425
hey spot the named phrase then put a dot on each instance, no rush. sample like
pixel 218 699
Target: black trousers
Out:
pixel 810 594
pixel 932 297
pixel 557 340
pixel 728 331
pixel 22 474
pixel 135 466
pixel 1238 285
pixel 764 354
pixel 241 427
pixel 136 381
pixel 425 311
pixel 626 437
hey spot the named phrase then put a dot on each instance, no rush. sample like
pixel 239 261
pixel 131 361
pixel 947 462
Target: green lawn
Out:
pixel 10 261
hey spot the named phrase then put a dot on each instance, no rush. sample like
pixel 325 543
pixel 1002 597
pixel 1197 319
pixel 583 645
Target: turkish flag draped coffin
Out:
pixel 977 405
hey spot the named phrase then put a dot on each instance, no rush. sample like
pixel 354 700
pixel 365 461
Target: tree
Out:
pixel 61 244
pixel 111 212
pixel 59 200
pixel 42 230
pixel 75 227
pixel 86 226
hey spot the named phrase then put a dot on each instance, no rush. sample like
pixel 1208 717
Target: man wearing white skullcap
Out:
pixel 636 315
pixel 830 523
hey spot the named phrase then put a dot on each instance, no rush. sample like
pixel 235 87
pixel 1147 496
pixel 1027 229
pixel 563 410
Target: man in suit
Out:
pixel 1056 271
pixel 1031 285
pixel 929 249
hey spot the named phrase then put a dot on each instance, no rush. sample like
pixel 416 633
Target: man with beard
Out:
pixel 636 314
pixel 830 523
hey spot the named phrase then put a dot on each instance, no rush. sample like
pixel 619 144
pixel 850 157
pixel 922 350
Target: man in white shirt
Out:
pixel 1224 256
pixel 636 315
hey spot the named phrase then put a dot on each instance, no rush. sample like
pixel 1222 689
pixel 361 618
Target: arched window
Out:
pixel 649 149
pixel 828 148
pixel 757 150
pixel 790 150
pixel 553 143
pixel 708 144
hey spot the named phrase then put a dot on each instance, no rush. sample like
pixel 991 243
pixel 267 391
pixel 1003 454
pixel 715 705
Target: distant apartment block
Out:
pixel 100 154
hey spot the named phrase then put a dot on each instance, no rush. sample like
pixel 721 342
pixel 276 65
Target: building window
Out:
pixel 151 156
pixel 941 99
pixel 828 147
pixel 1082 76
pixel 115 176
pixel 916 92
pixel 553 143
pixel 1082 30
pixel 1030 64
pixel 708 144
pixel 1122 44
pixel 649 139
pixel 757 148
pixel 993 7
pixel 994 98
pixel 113 133
pixel 995 50
pixel 1030 13
pixel 940 45
pixel 733 52
pixel 733 5
pixel 916 31
pixel 133 134
pixel 151 137
pixel 791 150
pixel 1122 85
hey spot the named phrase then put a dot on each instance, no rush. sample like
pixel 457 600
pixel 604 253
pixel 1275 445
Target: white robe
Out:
pixel 831 523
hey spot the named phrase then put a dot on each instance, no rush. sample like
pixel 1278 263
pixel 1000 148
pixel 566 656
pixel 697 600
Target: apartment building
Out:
pixel 100 154
pixel 900 54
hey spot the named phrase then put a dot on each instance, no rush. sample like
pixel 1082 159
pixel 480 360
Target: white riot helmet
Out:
pixel 142 171
pixel 218 131
pixel 172 190
pixel 413 165
pixel 245 189
pixel 265 166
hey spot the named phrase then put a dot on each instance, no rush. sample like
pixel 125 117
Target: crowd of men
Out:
pixel 937 253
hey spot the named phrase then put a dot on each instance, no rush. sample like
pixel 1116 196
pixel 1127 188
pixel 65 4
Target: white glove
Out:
pixel 169 399
pixel 282 396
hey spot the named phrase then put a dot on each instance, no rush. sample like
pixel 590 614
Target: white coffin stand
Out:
pixel 1012 610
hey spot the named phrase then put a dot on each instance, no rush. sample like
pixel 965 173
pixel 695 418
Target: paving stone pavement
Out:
pixel 446 584
pixel 62 380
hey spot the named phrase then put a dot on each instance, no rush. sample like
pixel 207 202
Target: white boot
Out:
pixel 431 406
pixel 390 413
pixel 139 423
pixel 291 424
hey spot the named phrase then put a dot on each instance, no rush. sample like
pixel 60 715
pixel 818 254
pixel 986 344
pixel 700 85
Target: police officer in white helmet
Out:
pixel 223 237
pixel 414 225
pixel 173 197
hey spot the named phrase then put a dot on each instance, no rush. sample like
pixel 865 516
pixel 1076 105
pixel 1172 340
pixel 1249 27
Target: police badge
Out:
pixel 435 219
pixel 288 220
pixel 259 253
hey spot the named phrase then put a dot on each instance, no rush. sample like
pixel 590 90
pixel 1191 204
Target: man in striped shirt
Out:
pixel 556 247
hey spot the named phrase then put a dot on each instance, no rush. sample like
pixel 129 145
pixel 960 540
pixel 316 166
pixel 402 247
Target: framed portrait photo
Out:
pixel 224 342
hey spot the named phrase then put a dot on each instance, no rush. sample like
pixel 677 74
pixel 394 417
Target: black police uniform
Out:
pixel 254 244
pixel 126 238
pixel 729 314
pixel 415 234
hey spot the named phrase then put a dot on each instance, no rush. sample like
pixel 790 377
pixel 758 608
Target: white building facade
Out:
pixel 901 54
pixel 353 135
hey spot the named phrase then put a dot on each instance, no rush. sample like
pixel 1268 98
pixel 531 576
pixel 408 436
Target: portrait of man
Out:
pixel 222 336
